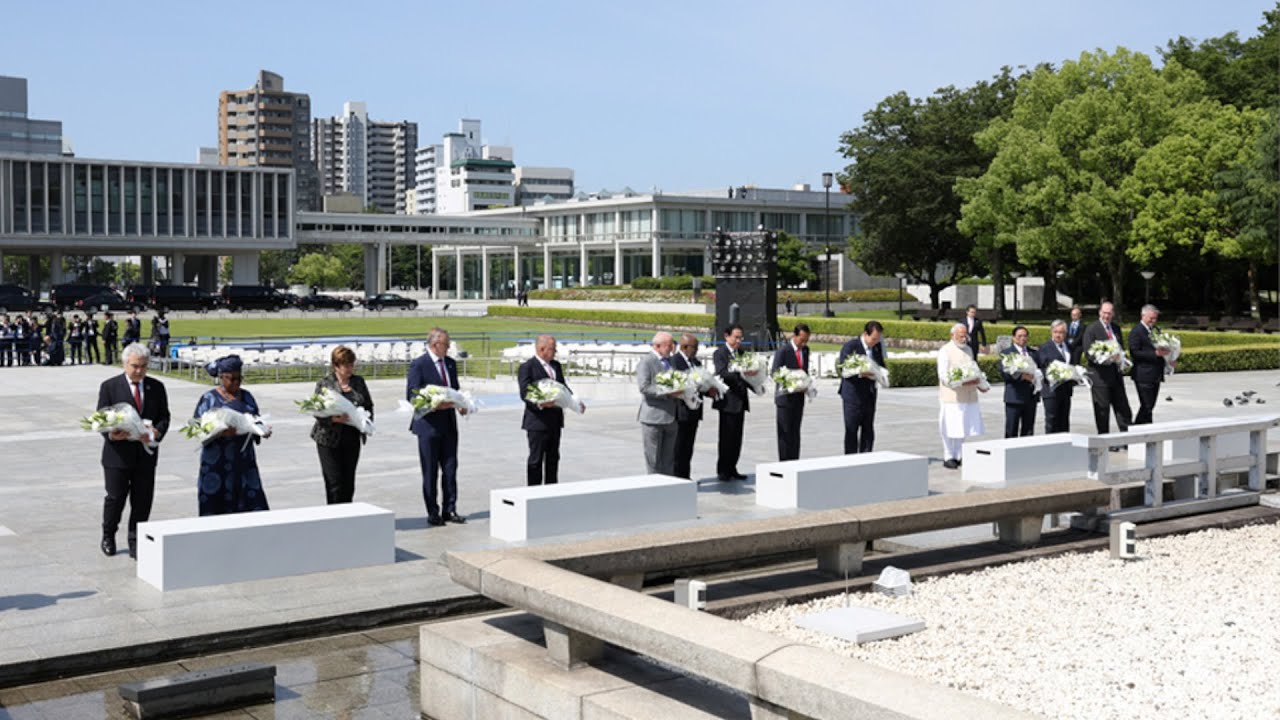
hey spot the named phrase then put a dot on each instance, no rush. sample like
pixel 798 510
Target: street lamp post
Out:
pixel 901 276
pixel 1015 274
pixel 826 235
pixel 1146 277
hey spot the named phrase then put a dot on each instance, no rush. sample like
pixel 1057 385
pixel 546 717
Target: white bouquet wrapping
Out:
pixel 857 365
pixel 1166 341
pixel 214 422
pixel 1017 364
pixel 753 368
pixel 431 398
pixel 548 390
pixel 786 381
pixel 1108 352
pixel 328 403
pixel 1060 372
pixel 707 381
pixel 961 374
pixel 671 381
pixel 125 418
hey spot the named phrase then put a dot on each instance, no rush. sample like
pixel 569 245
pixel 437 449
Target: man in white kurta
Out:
pixel 959 416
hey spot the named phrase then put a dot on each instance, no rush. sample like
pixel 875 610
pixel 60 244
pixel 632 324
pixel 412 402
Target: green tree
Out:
pixel 1236 72
pixel 319 270
pixel 907 156
pixel 1056 187
pixel 794 262
pixel 1250 188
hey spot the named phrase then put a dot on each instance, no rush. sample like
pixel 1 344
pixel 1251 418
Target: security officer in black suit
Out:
pixel 1057 400
pixel 543 423
pixel 792 355
pixel 7 331
pixel 733 405
pixel 1020 398
pixel 110 329
pixel 132 329
pixel 90 328
pixel 859 393
pixel 1148 363
pixel 976 330
pixel 686 357
pixel 1075 331
pixel 129 469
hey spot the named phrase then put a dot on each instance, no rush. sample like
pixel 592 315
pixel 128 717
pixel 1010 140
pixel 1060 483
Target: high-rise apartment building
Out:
pixel 267 126
pixel 20 134
pixel 371 159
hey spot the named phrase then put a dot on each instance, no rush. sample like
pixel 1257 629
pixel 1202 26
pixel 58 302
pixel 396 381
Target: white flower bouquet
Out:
pixel 671 381
pixel 753 367
pixel 214 422
pixel 123 417
pixel 862 366
pixel 959 375
pixel 1060 372
pixel 328 403
pixel 431 398
pixel 1017 365
pixel 547 390
pixel 1167 341
pixel 1108 352
pixel 706 381
pixel 786 381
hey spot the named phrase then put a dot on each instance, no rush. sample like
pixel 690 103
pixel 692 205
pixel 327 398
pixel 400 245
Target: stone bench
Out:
pixel 842 480
pixel 1229 445
pixel 517 514
pixel 1023 460
pixel 194 552
pixel 200 692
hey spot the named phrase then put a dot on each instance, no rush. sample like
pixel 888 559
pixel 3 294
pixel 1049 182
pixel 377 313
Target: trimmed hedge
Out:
pixel 846 296
pixel 672 282
pixel 646 319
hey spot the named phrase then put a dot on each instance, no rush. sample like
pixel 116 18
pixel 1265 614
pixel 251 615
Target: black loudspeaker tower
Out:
pixel 745 266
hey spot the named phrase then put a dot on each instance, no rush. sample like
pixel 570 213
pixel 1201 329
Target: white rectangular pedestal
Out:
pixel 842 480
pixel 193 552
pixel 860 624
pixel 1023 460
pixel 543 510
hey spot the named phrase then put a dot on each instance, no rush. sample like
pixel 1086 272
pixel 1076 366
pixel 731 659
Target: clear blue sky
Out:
pixel 679 95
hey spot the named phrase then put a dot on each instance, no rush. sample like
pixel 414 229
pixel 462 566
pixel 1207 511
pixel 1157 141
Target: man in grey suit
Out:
pixel 657 414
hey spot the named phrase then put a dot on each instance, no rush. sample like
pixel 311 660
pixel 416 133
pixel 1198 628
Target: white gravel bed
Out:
pixel 1189 630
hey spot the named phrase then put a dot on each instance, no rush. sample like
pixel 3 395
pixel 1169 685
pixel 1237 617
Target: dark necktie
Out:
pixel 1063 352
pixel 444 376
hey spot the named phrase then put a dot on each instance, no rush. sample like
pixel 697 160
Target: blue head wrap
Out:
pixel 227 364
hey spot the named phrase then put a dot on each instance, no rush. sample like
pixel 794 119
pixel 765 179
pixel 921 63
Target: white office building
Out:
pixel 543 184
pixel 370 159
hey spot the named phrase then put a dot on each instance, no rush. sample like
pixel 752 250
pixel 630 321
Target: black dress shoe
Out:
pixel 133 551
pixel 738 476
pixel 108 545
pixel 950 464
pixel 724 478
pixel 435 521
pixel 455 518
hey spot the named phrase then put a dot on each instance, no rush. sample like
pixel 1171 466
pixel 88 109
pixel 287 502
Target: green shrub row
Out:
pixel 846 296
pixel 672 282
pixel 628 317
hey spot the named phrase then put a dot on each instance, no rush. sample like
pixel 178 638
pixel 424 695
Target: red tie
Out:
pixel 799 359
pixel 1109 335
pixel 444 377
pixel 137 396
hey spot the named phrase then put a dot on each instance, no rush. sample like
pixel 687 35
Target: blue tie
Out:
pixel 666 364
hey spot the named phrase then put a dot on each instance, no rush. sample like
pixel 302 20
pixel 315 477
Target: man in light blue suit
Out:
pixel 657 413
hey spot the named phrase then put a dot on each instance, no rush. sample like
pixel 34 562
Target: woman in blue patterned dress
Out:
pixel 229 480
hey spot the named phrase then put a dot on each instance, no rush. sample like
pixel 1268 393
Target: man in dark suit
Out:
pixel 733 406
pixel 132 329
pixel 1148 363
pixel 1107 378
pixel 1020 398
pixel 859 393
pixel 128 468
pixel 792 355
pixel 1075 331
pixel 110 329
pixel 542 423
pixel 977 333
pixel 1057 400
pixel 437 431
pixel 684 358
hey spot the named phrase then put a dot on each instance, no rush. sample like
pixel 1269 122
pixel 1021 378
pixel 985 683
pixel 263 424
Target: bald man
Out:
pixel 657 413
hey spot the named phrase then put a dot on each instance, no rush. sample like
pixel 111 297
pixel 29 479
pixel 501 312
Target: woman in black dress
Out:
pixel 338 443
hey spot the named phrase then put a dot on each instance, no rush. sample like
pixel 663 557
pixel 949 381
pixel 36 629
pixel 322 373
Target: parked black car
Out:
pixel 256 297
pixel 323 302
pixel 15 298
pixel 109 300
pixel 65 296
pixel 389 300
pixel 173 297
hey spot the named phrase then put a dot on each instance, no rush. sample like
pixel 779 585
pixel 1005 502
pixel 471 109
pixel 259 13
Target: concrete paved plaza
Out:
pixel 61 598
